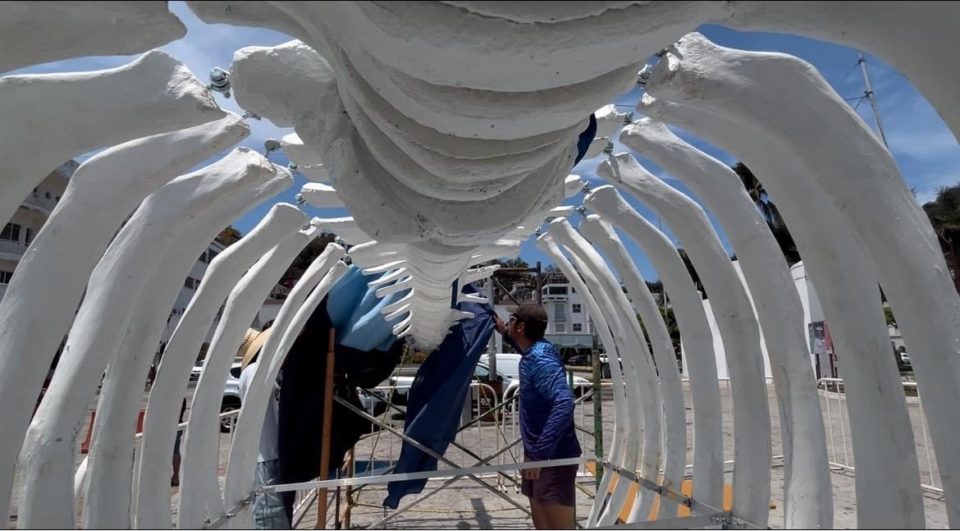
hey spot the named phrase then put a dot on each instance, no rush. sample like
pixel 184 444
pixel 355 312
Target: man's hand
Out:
pixel 499 324
pixel 530 473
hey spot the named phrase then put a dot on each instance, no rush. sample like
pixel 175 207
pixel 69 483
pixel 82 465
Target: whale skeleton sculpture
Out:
pixel 447 130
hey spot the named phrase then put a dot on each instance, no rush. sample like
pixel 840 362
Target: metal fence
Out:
pixel 833 402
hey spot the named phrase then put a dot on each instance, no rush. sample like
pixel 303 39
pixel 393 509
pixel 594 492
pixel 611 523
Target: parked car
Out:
pixel 231 397
pixel 508 367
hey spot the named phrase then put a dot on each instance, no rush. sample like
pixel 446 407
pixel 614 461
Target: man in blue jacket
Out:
pixel 546 418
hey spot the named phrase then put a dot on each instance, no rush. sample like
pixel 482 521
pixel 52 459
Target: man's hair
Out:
pixel 534 319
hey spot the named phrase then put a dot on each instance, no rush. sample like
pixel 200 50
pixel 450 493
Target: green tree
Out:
pixel 769 212
pixel 304 259
pixel 944 215
pixel 693 272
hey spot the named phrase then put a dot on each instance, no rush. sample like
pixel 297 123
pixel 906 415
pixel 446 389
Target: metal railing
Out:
pixel 840 455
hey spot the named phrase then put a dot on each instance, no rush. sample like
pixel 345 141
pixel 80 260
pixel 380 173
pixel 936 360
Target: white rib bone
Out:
pixel 320 195
pixel 863 184
pixel 847 284
pixel 638 373
pixel 41 32
pixel 807 488
pixel 51 279
pixel 200 495
pixel 735 321
pixel 297 308
pixel 153 94
pixel 623 420
pixel 602 234
pixel 694 331
pixel 109 503
pixel 160 421
pixel 113 289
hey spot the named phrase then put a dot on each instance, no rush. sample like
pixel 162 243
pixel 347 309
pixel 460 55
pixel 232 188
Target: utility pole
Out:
pixel 868 93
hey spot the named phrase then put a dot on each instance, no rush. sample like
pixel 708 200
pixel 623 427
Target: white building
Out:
pixel 569 324
pixel 268 312
pixel 189 288
pixel 17 235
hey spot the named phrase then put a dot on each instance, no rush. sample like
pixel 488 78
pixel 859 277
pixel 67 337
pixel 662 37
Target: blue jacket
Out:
pixel 546 405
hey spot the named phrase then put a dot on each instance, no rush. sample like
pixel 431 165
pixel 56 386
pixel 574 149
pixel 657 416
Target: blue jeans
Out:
pixel 270 510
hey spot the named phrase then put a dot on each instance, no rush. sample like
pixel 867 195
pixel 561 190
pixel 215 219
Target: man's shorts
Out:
pixel 556 486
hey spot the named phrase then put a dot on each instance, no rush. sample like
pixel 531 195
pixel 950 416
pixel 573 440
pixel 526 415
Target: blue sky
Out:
pixel 925 149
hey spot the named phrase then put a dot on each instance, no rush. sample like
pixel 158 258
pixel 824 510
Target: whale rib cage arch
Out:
pixel 448 130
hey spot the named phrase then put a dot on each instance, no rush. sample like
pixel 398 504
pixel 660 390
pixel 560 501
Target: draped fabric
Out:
pixel 437 396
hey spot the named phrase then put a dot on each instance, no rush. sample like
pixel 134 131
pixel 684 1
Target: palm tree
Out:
pixel 769 212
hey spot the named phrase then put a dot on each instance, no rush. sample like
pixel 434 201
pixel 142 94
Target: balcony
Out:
pixel 12 250
pixel 39 203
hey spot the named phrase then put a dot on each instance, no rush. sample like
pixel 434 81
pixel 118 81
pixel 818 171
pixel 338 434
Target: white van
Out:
pixel 508 368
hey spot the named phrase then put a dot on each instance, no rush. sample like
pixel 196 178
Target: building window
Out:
pixel 5 277
pixel 47 195
pixel 10 232
pixel 191 283
pixel 557 290
pixel 576 308
pixel 577 327
pixel 558 313
pixel 211 254
pixel 203 257
pixel 560 328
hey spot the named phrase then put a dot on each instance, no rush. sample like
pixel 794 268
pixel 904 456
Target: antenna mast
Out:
pixel 868 93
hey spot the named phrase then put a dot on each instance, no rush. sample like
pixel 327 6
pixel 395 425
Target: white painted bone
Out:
pixel 108 503
pixel 847 287
pixel 807 487
pixel 863 184
pixel 308 161
pixel 475 274
pixel 320 195
pixel 160 421
pixel 153 94
pixel 622 419
pixel 639 374
pixel 200 495
pixel 103 318
pixel 51 279
pixel 735 321
pixel 602 235
pixel 609 121
pixel 917 39
pixel 296 309
pixel 572 185
pixel 41 32
pixel 695 333
pixel 420 46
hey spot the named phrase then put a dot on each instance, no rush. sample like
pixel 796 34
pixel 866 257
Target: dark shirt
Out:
pixel 546 405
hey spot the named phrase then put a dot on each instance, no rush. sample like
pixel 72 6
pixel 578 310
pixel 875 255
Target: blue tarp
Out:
pixel 437 395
